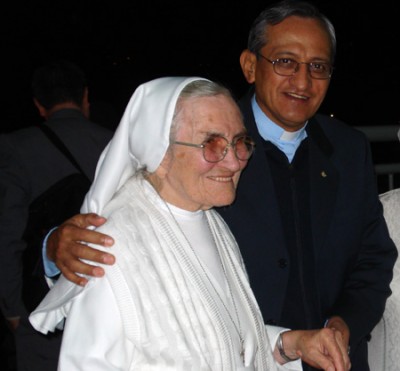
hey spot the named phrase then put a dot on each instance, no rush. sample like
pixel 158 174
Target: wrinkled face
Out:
pixel 290 101
pixel 188 180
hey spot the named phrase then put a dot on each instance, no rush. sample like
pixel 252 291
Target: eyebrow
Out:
pixel 209 134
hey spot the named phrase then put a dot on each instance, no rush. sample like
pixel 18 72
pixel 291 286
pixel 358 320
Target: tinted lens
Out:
pixel 214 149
pixel 244 148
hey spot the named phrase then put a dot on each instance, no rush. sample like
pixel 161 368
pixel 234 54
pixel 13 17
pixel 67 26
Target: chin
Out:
pixel 225 201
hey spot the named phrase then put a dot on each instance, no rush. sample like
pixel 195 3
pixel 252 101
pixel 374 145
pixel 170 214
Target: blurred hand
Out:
pixel 66 247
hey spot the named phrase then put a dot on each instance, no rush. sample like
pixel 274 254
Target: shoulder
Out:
pixel 19 147
pixel 341 135
pixel 21 137
pixel 336 128
pixel 98 129
pixel 125 219
pixel 72 122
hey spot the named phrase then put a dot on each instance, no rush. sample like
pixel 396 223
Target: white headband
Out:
pixel 141 139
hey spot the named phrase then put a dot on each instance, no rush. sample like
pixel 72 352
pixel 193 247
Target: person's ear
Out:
pixel 42 111
pixel 248 62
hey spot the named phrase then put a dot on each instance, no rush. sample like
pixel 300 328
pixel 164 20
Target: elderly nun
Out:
pixel 178 297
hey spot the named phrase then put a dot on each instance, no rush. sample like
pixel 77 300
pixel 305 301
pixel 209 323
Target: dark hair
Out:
pixel 278 12
pixel 58 82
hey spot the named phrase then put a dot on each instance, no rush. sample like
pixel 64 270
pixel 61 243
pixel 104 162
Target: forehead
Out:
pixel 218 114
pixel 299 35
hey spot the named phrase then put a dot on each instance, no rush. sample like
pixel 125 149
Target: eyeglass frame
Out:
pixel 231 144
pixel 309 64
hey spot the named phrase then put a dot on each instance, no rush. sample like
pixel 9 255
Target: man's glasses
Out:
pixel 215 148
pixel 288 67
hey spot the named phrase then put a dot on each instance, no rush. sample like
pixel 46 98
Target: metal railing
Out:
pixel 384 133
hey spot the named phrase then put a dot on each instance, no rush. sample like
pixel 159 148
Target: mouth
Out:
pixel 222 179
pixel 297 96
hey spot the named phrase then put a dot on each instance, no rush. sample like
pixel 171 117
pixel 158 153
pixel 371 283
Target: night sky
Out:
pixel 121 44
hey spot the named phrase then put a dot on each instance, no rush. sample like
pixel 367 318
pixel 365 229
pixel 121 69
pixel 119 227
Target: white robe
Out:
pixel 155 309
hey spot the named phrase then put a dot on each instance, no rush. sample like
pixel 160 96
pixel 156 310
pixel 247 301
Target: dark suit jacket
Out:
pixel 29 164
pixel 354 254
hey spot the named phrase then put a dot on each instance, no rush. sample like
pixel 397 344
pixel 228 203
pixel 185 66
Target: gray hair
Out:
pixel 278 12
pixel 196 89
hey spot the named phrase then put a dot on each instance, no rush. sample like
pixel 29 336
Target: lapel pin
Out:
pixel 323 174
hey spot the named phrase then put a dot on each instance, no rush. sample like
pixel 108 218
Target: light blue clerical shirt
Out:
pixel 286 141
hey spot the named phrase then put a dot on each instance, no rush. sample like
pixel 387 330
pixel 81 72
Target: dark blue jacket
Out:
pixel 353 252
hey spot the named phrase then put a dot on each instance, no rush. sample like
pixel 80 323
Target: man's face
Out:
pixel 290 101
pixel 188 180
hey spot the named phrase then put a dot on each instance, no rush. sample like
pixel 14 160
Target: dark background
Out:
pixel 121 44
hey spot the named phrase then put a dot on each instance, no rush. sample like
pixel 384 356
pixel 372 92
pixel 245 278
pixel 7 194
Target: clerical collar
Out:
pixel 286 141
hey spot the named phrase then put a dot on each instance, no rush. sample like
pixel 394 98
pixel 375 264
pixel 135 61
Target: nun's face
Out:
pixel 188 180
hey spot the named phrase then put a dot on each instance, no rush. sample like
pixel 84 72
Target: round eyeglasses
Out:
pixel 288 67
pixel 215 148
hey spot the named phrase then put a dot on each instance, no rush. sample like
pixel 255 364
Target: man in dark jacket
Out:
pixel 307 216
pixel 30 164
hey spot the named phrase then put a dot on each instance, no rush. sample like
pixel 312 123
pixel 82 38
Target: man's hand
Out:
pixel 65 247
pixel 323 349
pixel 338 324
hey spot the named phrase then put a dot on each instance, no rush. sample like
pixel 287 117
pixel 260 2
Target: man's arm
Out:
pixel 65 249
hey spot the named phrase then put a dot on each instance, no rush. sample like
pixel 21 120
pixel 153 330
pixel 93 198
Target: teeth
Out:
pixel 297 96
pixel 223 179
